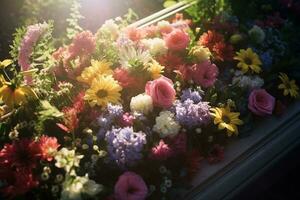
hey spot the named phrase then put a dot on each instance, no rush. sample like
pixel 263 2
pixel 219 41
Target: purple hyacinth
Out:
pixel 115 111
pixel 125 145
pixel 189 94
pixel 192 114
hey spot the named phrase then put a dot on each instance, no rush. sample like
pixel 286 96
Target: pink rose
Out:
pixel 177 40
pixel 162 92
pixel 204 74
pixel 261 102
pixel 130 186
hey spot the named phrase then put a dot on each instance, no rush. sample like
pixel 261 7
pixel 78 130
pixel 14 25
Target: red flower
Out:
pixel 222 51
pixel 78 103
pixel 23 153
pixel 170 61
pixel 210 38
pixel 177 40
pixel 16 182
pixel 123 77
pixel 48 147
pixel 215 42
pixel 216 154
pixel 70 118
pixel 161 152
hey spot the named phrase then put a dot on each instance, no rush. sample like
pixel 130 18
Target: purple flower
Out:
pixel 115 111
pixel 192 95
pixel 192 114
pixel 125 145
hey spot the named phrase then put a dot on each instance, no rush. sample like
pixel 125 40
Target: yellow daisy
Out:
pixel 5 63
pixel 98 68
pixel 103 90
pixel 226 120
pixel 248 61
pixel 155 69
pixel 14 96
pixel 288 86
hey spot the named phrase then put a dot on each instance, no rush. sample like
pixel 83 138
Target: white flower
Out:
pixel 163 24
pixel 248 82
pixel 166 125
pixel 67 159
pixel 132 57
pixel 141 103
pixel 110 27
pixel 74 187
pixel 156 46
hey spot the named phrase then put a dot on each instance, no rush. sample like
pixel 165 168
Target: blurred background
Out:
pixel 15 13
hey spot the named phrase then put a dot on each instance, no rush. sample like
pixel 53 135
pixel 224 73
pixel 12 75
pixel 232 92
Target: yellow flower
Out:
pixel 98 68
pixel 288 86
pixel 200 53
pixel 5 63
pixel 2 111
pixel 248 60
pixel 226 120
pixel 155 69
pixel 103 90
pixel 15 96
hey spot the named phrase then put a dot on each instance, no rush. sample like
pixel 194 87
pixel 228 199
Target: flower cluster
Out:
pixel 132 112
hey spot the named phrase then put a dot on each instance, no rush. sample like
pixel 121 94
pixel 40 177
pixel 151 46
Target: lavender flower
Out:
pixel 115 111
pixel 192 114
pixel 192 95
pixel 125 145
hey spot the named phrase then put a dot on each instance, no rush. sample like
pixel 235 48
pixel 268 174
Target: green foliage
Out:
pixel 46 112
pixel 42 53
pixel 203 10
pixel 18 37
pixel 73 21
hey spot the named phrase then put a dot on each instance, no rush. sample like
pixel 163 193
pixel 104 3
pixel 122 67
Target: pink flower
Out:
pixel 261 102
pixel 126 119
pixel 32 35
pixel 134 34
pixel 161 151
pixel 130 186
pixel 177 40
pixel 204 74
pixel 124 78
pixel 83 43
pixel 162 92
pixel 48 147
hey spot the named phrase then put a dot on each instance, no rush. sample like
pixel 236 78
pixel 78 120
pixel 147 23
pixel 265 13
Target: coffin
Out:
pixel 245 158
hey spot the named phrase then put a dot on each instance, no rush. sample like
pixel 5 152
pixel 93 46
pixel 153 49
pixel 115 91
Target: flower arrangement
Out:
pixel 131 113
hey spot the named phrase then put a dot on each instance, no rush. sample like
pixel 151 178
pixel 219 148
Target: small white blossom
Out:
pixel 156 46
pixel 166 125
pixel 247 82
pixel 67 159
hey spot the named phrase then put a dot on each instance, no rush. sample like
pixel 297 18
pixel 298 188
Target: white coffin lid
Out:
pixel 246 158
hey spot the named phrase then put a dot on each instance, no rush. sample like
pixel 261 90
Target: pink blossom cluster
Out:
pixel 32 35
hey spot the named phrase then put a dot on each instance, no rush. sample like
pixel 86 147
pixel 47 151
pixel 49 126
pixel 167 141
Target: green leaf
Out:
pixel 48 111
pixel 169 3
